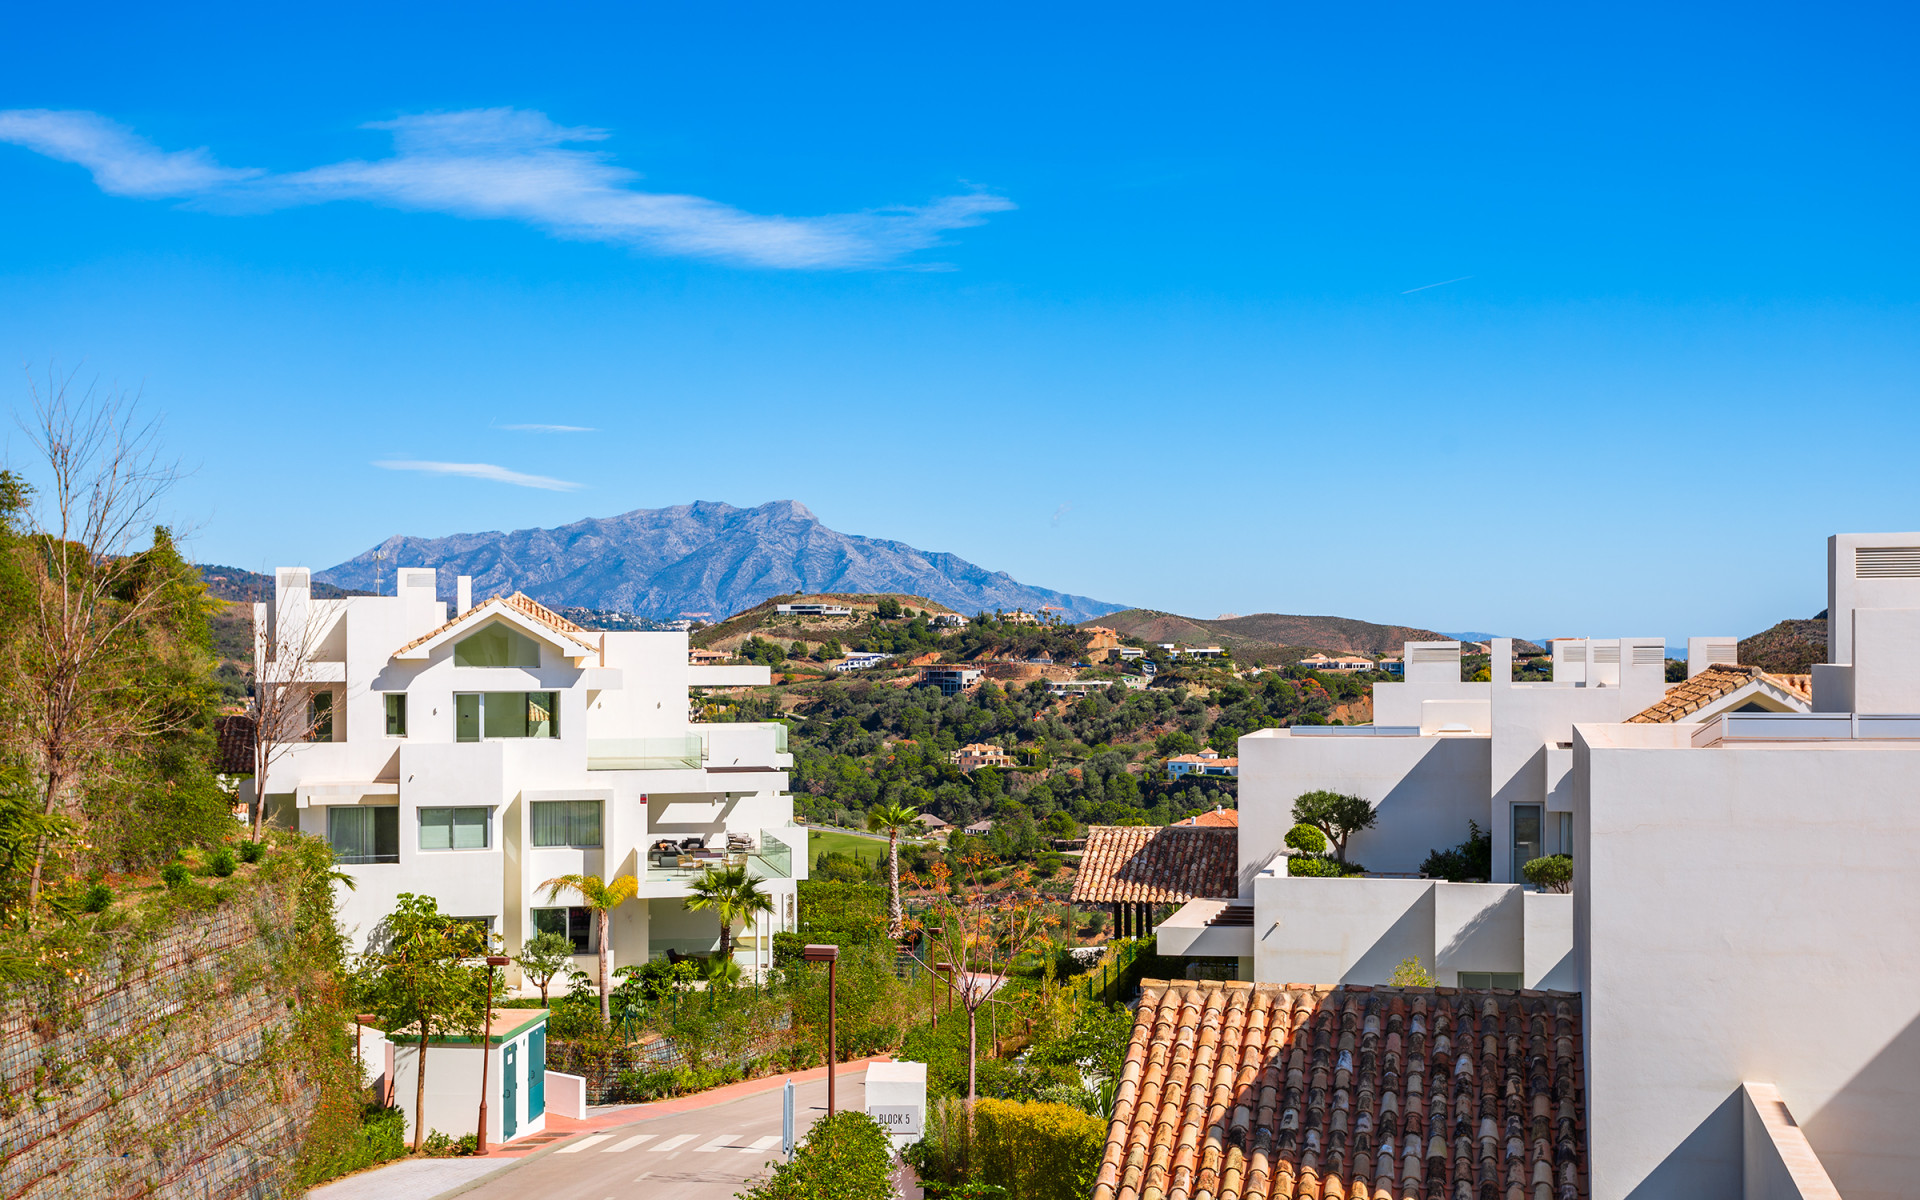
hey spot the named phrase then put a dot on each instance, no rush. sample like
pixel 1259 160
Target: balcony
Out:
pixel 746 746
pixel 773 860
pixel 678 753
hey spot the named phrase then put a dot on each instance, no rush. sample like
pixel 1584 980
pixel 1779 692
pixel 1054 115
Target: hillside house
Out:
pixel 1206 762
pixel 860 660
pixel 949 678
pixel 706 658
pixel 980 754
pixel 813 610
pixel 948 621
pixel 1338 664
pixel 471 755
pixel 1020 617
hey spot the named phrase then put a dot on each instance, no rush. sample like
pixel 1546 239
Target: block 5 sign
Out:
pixel 904 1119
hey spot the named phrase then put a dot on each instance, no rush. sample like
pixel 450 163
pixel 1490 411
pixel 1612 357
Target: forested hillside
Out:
pixel 1097 759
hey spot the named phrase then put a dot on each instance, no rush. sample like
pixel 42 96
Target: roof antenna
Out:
pixel 379 556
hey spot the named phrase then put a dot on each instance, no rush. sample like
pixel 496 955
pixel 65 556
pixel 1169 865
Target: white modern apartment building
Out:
pixel 1444 755
pixel 1745 909
pixel 473 755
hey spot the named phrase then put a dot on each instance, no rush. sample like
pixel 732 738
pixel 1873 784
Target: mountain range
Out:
pixel 706 559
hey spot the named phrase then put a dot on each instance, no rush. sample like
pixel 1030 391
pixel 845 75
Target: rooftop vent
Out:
pixel 1436 654
pixel 1886 562
pixel 1607 654
pixel 1649 654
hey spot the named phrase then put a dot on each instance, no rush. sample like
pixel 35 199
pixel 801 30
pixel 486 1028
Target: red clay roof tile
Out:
pixel 1127 864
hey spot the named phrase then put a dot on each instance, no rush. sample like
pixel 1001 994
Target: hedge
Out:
pixel 1037 1151
pixel 843 1157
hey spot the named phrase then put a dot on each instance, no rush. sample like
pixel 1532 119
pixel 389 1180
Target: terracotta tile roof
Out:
pixel 1717 681
pixel 1240 1091
pixel 233 739
pixel 1129 864
pixel 1216 817
pixel 521 603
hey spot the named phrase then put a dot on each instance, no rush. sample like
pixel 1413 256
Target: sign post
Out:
pixel 786 1121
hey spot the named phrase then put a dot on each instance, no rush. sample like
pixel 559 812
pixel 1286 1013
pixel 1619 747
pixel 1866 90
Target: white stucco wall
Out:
pixel 1425 789
pixel 1747 913
pixel 452 1103
pixel 1327 931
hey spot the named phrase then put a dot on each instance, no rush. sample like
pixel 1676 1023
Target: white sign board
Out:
pixel 897 1099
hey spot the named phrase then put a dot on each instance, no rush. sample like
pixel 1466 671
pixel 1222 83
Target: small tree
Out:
pixel 1337 815
pixel 542 958
pixel 893 818
pixel 1554 873
pixel 600 899
pixel 421 981
pixel 733 894
pixel 887 609
pixel 980 936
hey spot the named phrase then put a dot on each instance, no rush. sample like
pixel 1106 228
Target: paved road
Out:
pixel 703 1154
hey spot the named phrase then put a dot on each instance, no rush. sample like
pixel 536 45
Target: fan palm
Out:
pixel 600 899
pixel 733 894
pixel 893 817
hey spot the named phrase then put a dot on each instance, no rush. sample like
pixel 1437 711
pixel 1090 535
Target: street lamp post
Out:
pixel 829 955
pixel 486 1050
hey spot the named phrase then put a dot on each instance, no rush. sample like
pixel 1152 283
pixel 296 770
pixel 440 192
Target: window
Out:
pixel 1566 832
pixel 574 923
pixel 1526 838
pixel 454 828
pixel 364 835
pixel 497 646
pixel 1492 979
pixel 479 716
pixel 396 714
pixel 320 717
pixel 566 823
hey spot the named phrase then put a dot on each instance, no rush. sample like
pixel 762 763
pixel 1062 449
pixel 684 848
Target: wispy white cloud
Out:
pixel 548 428
pixel 1444 282
pixel 487 471
pixel 501 164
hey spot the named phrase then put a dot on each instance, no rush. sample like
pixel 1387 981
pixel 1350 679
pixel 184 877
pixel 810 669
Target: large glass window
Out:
pixel 1526 838
pixel 497 646
pixel 566 823
pixel 1566 833
pixel 454 828
pixel 364 835
pixel 320 717
pixel 396 714
pixel 575 924
pixel 489 715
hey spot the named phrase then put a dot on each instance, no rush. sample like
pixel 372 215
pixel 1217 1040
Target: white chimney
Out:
pixel 463 588
pixel 1704 652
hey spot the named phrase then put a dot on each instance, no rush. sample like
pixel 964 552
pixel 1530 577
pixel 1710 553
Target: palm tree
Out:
pixel 893 817
pixel 733 894
pixel 600 899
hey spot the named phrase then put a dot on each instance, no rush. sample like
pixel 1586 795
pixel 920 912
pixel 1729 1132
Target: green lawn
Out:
pixel 824 842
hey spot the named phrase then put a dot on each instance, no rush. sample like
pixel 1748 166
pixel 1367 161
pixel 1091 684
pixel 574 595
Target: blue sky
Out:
pixel 1551 323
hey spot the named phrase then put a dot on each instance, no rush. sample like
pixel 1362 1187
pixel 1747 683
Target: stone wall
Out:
pixel 155 1072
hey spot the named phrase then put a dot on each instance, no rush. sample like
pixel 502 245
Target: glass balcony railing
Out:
pixel 773 860
pixel 645 754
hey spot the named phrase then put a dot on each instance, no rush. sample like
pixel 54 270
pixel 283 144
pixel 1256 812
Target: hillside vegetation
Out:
pixel 1267 637
pixel 1789 648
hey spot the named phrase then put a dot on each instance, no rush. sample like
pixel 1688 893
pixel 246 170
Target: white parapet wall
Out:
pixel 1356 931
pixel 1778 1164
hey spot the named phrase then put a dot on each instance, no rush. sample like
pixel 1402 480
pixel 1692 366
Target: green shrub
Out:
pixel 98 897
pixel 846 1156
pixel 1411 974
pixel 1471 860
pixel 174 875
pixel 1554 873
pixel 1307 839
pixel 1322 868
pixel 223 862
pixel 250 852
pixel 1037 1151
pixel 381 1135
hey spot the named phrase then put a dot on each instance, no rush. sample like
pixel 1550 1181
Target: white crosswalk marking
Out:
pixel 672 1143
pixel 583 1143
pixel 630 1143
pixel 723 1142
pixel 766 1143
